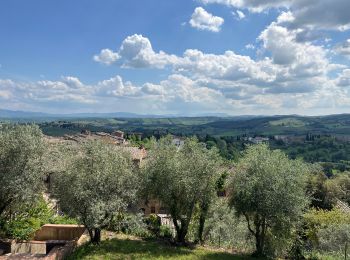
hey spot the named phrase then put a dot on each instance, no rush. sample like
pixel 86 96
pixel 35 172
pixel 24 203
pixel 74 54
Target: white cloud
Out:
pixel 239 15
pixel 203 20
pixel 302 59
pixel 294 68
pixel 153 89
pixel 316 14
pixel 251 5
pixel 228 66
pixel 137 52
pixel 171 95
pixel 343 79
pixel 72 82
pixel 107 57
pixel 116 87
pixel 5 94
pixel 291 72
pixel 250 46
pixel 285 17
pixel 343 48
pixel 325 14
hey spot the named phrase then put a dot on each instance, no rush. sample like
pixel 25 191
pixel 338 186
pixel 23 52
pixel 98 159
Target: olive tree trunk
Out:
pixel 95 235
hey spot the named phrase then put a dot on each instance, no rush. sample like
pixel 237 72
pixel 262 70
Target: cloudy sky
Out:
pixel 176 57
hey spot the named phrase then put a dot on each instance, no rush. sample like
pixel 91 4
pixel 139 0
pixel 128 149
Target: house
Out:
pixel 258 140
pixel 152 206
pixel 178 141
pixel 118 133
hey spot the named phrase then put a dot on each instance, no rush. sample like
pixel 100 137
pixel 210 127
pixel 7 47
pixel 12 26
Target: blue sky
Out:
pixel 180 57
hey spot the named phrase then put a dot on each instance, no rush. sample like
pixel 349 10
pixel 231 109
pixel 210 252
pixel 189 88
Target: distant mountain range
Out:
pixel 39 116
pixel 212 124
pixel 10 114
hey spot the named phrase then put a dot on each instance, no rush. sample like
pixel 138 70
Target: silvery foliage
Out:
pixel 224 229
pixel 98 181
pixel 21 171
pixel 334 238
pixel 268 189
pixel 181 177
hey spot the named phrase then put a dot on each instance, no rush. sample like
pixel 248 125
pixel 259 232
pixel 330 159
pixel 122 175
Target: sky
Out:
pixel 183 57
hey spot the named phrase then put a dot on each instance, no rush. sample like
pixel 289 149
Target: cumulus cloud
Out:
pixel 203 20
pixel 343 79
pixel 316 14
pixel 153 89
pixel 325 14
pixel 289 68
pixel 177 91
pixel 304 59
pixel 285 17
pixel 252 5
pixel 136 52
pixel 106 56
pixel 116 87
pixel 343 48
pixel 227 66
pixel 291 71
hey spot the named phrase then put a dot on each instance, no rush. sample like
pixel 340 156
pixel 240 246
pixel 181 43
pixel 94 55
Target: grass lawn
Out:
pixel 127 247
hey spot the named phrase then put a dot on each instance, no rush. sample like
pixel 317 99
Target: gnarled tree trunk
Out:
pixel 95 235
pixel 181 230
pixel 203 215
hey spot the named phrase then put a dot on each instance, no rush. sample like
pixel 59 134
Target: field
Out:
pixel 128 247
pixel 288 122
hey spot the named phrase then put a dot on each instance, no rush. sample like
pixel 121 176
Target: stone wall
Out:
pixel 59 232
pixel 50 242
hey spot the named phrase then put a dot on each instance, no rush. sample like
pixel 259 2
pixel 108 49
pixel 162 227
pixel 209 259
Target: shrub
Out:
pixel 320 219
pixel 224 229
pixel 165 232
pixel 334 239
pixel 153 224
pixel 30 218
pixel 328 231
pixel 132 224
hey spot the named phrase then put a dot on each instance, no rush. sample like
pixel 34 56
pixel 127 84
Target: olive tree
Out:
pixel 268 189
pixel 181 178
pixel 97 183
pixel 21 150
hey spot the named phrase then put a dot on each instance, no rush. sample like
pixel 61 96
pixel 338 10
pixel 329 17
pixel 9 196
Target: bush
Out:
pixel 224 229
pixel 334 239
pixel 139 225
pixel 328 231
pixel 153 224
pixel 165 232
pixel 29 219
pixel 316 220
pixel 132 224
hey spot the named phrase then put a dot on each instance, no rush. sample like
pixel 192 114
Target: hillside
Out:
pixel 216 126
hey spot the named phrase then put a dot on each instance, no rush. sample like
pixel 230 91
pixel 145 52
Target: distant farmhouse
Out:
pixel 257 139
pixel 178 141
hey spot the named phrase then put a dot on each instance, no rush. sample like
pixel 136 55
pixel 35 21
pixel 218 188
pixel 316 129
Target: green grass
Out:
pixel 126 247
